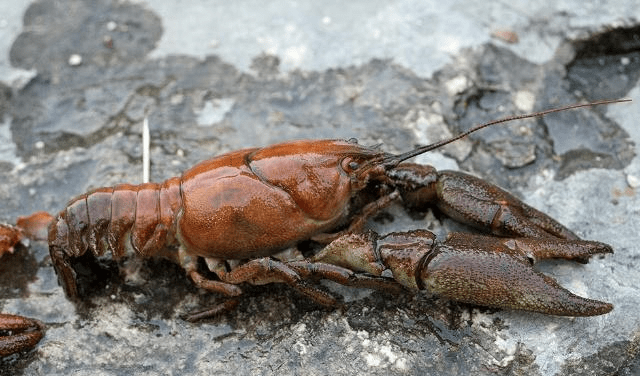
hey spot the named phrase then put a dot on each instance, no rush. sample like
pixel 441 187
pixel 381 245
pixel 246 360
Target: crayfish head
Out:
pixel 321 176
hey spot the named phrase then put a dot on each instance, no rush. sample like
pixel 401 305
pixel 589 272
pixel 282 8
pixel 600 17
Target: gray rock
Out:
pixel 217 78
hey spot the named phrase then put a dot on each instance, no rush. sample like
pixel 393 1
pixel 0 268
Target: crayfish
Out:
pixel 237 210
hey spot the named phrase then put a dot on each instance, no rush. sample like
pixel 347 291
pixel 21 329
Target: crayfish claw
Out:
pixel 475 202
pixel 499 273
pixel 24 334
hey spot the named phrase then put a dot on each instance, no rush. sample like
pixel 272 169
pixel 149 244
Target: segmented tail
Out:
pixel 108 218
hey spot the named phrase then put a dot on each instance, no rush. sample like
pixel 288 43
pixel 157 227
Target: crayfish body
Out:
pixel 237 210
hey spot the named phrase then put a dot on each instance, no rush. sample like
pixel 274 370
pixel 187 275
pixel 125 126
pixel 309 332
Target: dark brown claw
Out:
pixel 475 269
pixel 498 273
pixel 18 334
pixel 478 203
pixel 473 201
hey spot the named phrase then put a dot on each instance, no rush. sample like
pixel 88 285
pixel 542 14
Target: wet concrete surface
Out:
pixel 218 77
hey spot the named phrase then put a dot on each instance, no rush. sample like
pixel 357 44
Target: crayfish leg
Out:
pixel 214 286
pixel 190 265
pixel 267 270
pixel 344 276
pixel 359 221
pixel 216 310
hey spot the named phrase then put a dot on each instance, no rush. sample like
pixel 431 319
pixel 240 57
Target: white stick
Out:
pixel 145 151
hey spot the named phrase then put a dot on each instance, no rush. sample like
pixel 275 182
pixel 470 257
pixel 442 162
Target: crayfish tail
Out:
pixel 127 220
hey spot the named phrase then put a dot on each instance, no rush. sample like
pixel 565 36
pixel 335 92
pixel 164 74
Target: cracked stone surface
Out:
pixel 78 77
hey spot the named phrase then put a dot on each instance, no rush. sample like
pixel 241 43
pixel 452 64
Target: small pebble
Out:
pixel 524 100
pixel 457 85
pixel 75 60
pixel 107 41
pixel 507 36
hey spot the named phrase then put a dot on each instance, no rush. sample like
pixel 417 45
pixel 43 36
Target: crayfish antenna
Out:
pixel 393 160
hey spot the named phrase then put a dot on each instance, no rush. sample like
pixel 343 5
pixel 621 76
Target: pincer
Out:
pixel 18 333
pixel 474 269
